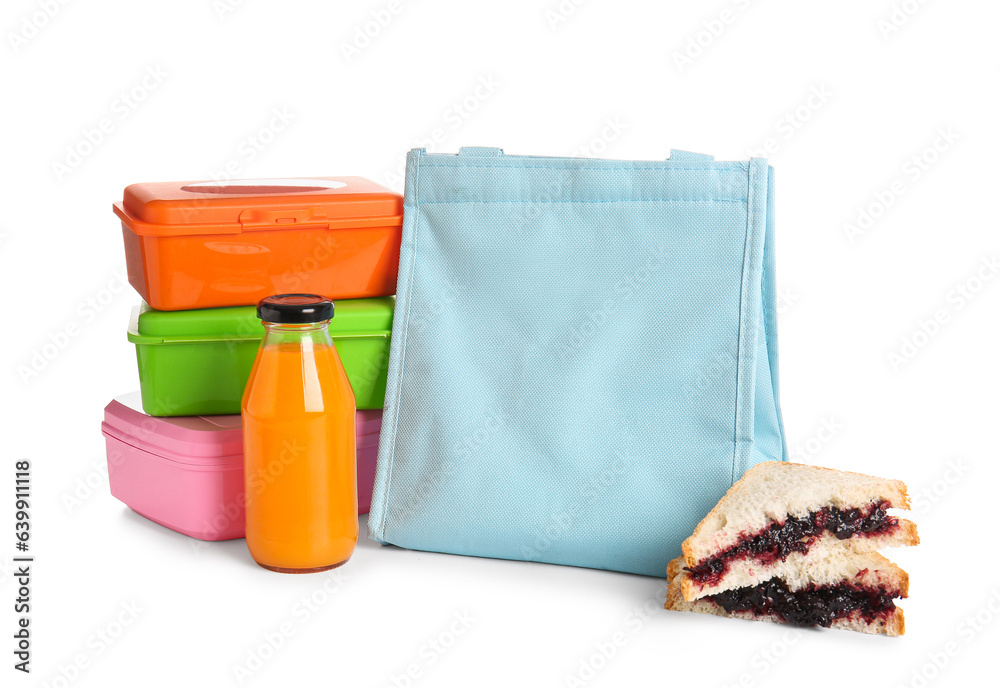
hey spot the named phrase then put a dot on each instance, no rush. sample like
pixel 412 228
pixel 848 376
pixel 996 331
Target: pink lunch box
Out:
pixel 186 472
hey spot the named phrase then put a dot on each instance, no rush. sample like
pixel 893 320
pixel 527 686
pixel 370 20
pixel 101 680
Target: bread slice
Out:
pixel 863 569
pixel 749 571
pixel 891 625
pixel 776 500
pixel 863 573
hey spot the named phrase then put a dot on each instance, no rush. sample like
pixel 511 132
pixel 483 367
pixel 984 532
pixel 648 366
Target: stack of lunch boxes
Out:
pixel 201 255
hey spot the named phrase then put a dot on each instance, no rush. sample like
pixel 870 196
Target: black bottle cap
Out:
pixel 295 308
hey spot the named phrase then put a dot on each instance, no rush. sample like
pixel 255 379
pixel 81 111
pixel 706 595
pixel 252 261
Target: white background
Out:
pixel 189 89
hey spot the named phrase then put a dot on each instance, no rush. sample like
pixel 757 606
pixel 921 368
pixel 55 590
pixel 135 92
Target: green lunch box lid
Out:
pixel 238 323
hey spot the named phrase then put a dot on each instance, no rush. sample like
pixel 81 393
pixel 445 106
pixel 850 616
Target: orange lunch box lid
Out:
pixel 234 206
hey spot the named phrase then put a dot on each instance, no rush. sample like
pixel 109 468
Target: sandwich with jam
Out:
pixel 798 544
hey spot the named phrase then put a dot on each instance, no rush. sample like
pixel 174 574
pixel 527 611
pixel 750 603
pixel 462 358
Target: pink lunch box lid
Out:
pixel 204 440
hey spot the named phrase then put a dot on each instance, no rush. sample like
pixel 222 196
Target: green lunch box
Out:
pixel 196 362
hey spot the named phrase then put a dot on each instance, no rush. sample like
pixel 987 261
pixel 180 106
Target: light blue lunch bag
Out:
pixel 583 355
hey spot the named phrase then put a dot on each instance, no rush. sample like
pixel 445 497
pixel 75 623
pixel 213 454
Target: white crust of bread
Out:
pixel 891 625
pixel 770 491
pixel 827 552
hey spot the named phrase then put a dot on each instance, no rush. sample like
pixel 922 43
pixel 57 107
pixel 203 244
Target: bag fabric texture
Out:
pixel 583 355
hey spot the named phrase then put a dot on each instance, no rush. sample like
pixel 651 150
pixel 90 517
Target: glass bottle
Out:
pixel 299 441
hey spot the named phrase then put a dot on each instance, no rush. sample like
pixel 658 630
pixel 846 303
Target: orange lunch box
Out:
pixel 231 243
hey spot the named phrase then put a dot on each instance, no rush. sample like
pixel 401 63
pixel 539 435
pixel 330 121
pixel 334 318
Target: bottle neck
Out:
pixel 304 334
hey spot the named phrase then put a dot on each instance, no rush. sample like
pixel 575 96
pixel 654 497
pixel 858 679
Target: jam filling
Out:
pixel 779 540
pixel 813 606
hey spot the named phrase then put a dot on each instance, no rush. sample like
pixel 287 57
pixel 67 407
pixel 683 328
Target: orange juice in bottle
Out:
pixel 299 442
